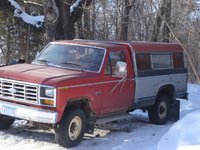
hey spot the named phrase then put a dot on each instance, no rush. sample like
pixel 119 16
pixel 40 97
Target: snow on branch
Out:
pixel 33 3
pixel 75 5
pixel 36 21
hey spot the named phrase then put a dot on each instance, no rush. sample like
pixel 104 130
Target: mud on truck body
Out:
pixel 73 84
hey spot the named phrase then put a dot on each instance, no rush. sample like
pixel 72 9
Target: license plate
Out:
pixel 9 111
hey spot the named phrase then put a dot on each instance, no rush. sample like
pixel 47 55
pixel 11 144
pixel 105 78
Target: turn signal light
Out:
pixel 47 102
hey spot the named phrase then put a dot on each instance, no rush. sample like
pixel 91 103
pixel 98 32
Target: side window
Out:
pixel 114 57
pixel 178 60
pixel 161 61
pixel 143 61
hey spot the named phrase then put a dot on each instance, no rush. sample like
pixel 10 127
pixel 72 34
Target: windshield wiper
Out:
pixel 43 61
pixel 74 65
pixel 71 63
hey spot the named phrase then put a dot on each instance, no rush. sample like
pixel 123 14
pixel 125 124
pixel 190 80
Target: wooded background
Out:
pixel 127 20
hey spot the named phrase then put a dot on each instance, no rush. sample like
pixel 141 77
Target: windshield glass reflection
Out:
pixel 72 56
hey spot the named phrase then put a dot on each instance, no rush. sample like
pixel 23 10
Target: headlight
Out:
pixel 49 92
pixel 48 96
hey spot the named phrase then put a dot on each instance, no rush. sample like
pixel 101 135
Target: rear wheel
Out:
pixel 159 113
pixel 5 122
pixel 70 131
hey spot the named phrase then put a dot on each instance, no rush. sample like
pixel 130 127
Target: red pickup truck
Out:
pixel 73 84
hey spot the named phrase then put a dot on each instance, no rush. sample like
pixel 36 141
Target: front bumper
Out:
pixel 28 113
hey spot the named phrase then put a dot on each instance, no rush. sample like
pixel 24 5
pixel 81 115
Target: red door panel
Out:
pixel 117 91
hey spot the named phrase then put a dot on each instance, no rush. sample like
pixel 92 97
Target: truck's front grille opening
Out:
pixel 18 91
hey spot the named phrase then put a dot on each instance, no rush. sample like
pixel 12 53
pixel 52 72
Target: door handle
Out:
pixel 98 93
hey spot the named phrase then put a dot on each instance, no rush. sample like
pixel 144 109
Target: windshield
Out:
pixel 72 56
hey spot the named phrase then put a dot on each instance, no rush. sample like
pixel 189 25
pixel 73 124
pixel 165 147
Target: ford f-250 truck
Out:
pixel 72 84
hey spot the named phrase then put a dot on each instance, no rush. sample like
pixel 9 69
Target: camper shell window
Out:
pixel 143 61
pixel 178 60
pixel 161 61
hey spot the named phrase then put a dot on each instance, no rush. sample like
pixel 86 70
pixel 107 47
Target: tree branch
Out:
pixel 36 21
pixel 76 9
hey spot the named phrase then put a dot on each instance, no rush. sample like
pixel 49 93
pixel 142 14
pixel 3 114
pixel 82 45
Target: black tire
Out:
pixel 65 133
pixel 5 122
pixel 159 113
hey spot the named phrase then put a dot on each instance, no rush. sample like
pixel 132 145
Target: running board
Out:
pixel 113 118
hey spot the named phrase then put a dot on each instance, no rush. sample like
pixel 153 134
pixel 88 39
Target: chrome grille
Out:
pixel 18 91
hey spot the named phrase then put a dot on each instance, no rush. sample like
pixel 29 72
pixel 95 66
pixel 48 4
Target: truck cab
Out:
pixel 73 84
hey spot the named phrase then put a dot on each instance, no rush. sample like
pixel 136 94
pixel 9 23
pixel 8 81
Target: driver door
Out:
pixel 118 91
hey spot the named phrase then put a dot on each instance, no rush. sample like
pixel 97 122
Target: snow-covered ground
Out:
pixel 140 134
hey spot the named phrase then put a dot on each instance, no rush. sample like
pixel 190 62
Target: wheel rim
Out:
pixel 162 111
pixel 75 127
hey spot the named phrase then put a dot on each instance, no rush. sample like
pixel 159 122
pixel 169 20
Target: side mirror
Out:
pixel 121 69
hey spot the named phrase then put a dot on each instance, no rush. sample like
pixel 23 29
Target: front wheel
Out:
pixel 71 129
pixel 5 122
pixel 159 113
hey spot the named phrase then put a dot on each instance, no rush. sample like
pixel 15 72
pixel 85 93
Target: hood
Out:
pixel 39 74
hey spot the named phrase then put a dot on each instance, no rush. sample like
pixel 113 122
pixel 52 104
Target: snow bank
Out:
pixel 194 100
pixel 184 135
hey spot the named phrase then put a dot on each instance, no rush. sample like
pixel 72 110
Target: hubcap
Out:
pixel 162 110
pixel 75 128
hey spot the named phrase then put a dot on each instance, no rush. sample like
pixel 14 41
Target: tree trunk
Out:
pixel 117 20
pixel 105 21
pixel 58 22
pixel 8 43
pixel 67 20
pixel 80 29
pixel 166 31
pixel 60 19
pixel 125 21
pixel 165 12
pixel 87 30
pixel 93 19
pixel 157 24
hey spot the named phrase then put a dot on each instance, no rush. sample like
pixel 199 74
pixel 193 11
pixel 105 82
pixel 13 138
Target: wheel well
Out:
pixel 167 90
pixel 85 106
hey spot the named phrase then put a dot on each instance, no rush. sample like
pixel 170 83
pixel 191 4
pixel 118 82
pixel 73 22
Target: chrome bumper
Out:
pixel 28 113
